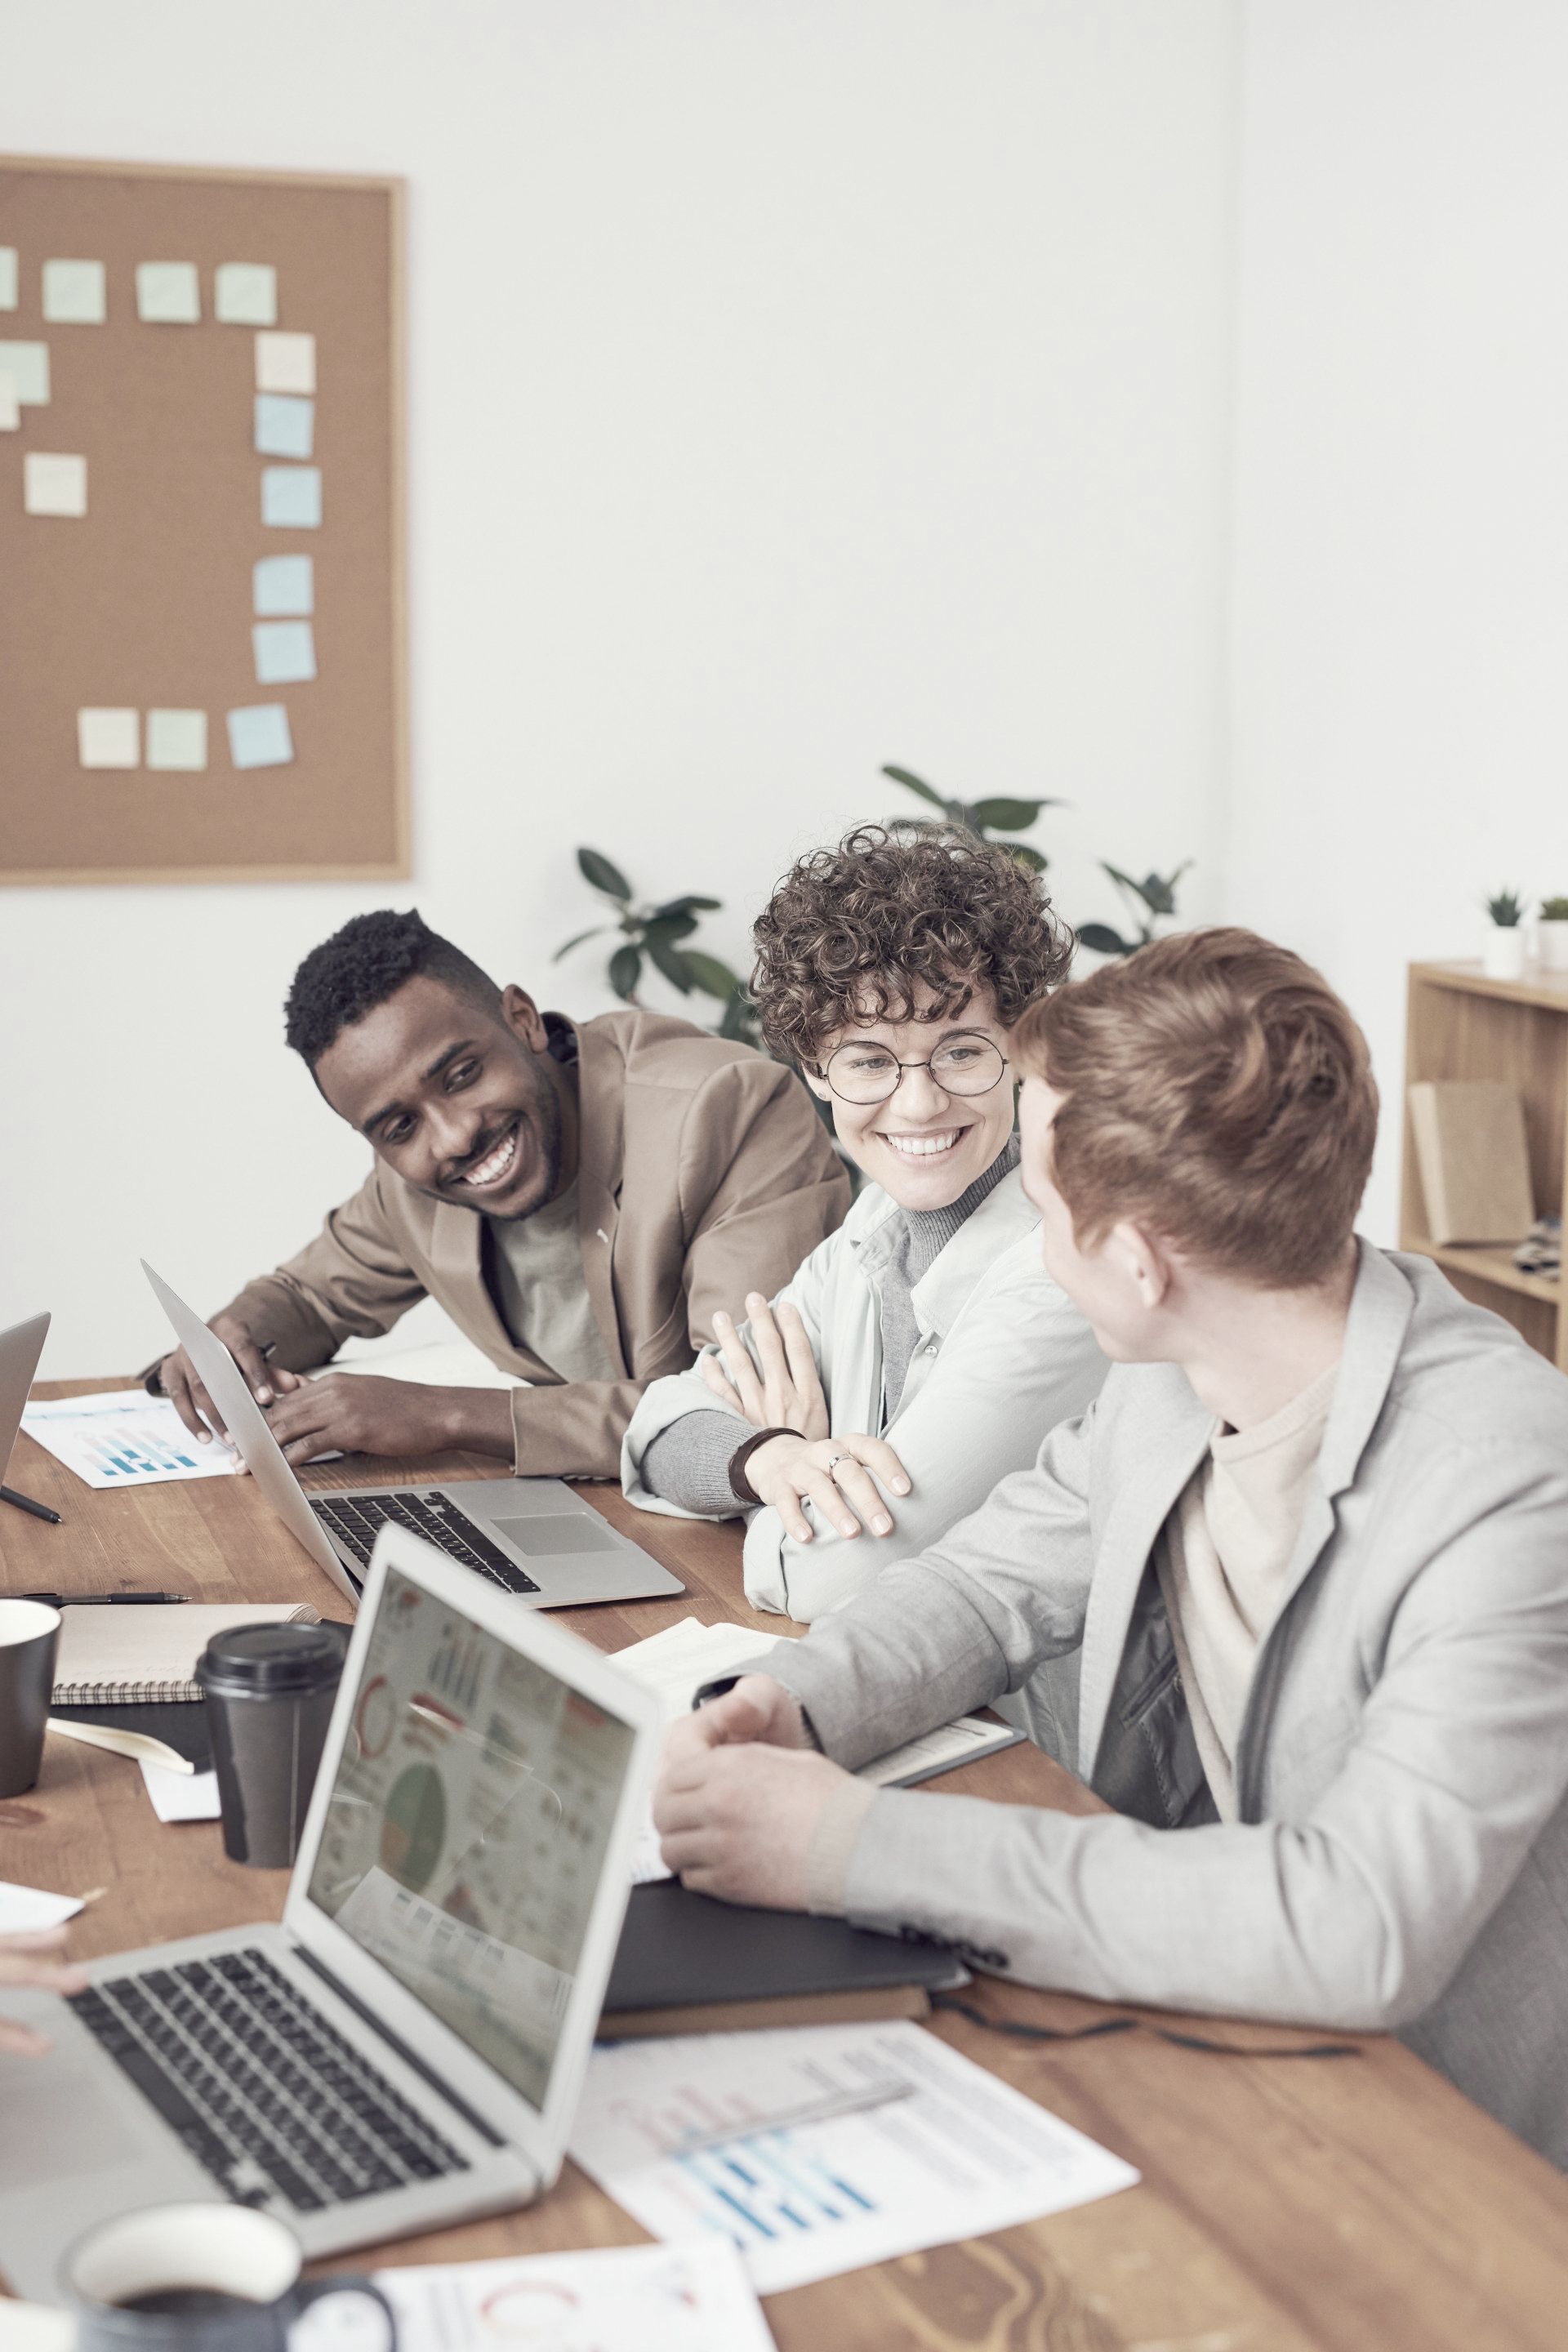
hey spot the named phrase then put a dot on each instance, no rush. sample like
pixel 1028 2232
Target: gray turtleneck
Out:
pixel 688 1463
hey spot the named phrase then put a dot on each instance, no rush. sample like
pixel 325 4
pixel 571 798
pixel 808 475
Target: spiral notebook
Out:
pixel 141 1656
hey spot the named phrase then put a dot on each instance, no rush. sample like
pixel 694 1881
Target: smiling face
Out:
pixel 464 1105
pixel 924 1145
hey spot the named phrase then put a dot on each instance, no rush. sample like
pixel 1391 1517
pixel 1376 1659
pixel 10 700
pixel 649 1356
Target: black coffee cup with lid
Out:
pixel 269 1691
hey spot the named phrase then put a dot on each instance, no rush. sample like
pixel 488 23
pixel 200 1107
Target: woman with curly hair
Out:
pixel 922 1352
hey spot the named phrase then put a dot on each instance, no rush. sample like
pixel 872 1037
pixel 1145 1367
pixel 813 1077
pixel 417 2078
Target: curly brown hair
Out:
pixel 850 933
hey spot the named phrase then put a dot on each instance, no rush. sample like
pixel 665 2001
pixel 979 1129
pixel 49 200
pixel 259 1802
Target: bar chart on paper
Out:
pixel 125 1438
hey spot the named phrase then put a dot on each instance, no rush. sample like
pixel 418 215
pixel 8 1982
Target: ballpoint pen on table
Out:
pixel 104 1600
pixel 25 1503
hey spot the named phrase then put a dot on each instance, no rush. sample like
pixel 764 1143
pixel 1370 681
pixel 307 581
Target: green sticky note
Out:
pixel 8 276
pixel 76 293
pixel 246 294
pixel 27 365
pixel 168 293
pixel 177 740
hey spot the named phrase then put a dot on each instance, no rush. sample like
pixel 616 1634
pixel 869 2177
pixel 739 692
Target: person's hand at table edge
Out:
pixel 180 1383
pixel 360 1413
pixel 35 1959
pixel 740 1821
pixel 840 1474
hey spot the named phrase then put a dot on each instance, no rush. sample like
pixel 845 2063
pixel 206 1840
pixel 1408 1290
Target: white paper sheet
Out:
pixel 680 2298
pixel 963 2155
pixel 181 1796
pixel 658 2101
pixel 125 1438
pixel 25 1909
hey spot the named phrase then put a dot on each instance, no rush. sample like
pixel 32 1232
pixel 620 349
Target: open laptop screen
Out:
pixel 466 1830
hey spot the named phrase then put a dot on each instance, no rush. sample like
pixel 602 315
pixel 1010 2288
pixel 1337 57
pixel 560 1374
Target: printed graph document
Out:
pixel 688 2298
pixel 961 2154
pixel 678 1660
pixel 125 1438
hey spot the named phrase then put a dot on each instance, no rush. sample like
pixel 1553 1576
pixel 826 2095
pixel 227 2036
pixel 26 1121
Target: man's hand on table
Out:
pixel 359 1413
pixel 181 1382
pixel 740 1793
pixel 36 1959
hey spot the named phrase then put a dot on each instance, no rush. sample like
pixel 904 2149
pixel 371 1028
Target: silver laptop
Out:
pixel 533 1537
pixel 20 1348
pixel 406 2050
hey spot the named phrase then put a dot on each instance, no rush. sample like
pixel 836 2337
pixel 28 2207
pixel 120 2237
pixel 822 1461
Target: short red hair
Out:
pixel 1219 1092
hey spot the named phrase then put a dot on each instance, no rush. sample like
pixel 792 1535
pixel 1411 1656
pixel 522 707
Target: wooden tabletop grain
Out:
pixel 1356 2202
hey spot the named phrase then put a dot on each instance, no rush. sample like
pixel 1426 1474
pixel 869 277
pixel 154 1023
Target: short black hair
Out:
pixel 363 964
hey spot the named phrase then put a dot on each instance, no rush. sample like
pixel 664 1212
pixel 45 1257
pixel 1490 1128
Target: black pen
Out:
pixel 102 1600
pixel 25 1503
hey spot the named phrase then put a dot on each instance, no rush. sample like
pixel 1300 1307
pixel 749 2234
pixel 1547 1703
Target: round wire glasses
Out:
pixel 964 1063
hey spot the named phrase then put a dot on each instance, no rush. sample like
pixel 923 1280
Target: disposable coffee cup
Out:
pixel 197 2278
pixel 269 1691
pixel 29 1635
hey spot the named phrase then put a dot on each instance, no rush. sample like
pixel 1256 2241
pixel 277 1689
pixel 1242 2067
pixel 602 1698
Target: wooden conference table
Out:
pixel 1355 2202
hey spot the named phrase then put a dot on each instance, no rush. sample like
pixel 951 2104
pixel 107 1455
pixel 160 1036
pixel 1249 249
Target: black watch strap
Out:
pixel 742 1455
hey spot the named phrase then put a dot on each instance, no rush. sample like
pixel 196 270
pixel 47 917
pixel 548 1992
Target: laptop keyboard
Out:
pixel 265 2093
pixel 357 1519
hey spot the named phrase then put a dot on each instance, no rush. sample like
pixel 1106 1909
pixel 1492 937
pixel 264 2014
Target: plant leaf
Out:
pixel 913 784
pixel 1007 816
pixel 597 932
pixel 1103 939
pixel 1033 859
pixel 597 869
pixel 690 904
pixel 669 960
pixel 667 928
pixel 712 976
pixel 625 970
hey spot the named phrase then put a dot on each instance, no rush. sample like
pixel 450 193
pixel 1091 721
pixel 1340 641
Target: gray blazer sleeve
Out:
pixel 971 1617
pixel 1356 1914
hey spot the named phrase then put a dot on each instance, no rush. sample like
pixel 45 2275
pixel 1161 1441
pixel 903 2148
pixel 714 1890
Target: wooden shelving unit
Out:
pixel 1463 1026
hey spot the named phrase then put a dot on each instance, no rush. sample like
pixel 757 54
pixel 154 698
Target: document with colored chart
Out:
pixel 125 1438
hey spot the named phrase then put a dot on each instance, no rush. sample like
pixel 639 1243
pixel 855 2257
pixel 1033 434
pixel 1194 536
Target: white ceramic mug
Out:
pixel 195 2278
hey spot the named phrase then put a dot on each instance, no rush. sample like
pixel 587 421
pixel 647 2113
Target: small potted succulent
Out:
pixel 1502 958
pixel 1552 934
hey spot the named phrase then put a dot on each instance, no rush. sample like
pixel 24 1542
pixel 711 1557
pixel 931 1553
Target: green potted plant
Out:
pixel 1503 956
pixel 1552 934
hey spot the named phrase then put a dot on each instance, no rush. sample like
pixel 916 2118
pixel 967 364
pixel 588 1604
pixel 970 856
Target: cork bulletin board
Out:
pixel 202 663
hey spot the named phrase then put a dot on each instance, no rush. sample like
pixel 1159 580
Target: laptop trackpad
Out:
pixel 544 1538
pixel 58 2125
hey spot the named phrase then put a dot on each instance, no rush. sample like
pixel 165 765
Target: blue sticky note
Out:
pixel 285 652
pixel 291 497
pixel 284 428
pixel 259 736
pixel 284 583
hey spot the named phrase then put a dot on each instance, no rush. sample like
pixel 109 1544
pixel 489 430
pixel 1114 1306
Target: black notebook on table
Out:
pixel 687 1964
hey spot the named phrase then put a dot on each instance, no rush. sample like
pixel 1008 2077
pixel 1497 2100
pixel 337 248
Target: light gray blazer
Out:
pixel 1401 1859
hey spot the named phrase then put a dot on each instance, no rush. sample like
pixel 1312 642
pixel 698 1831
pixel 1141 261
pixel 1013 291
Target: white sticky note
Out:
pixel 168 293
pixel 284 426
pixel 285 652
pixel 259 736
pixel 286 364
pixel 52 484
pixel 284 583
pixel 76 293
pixel 177 740
pixel 246 294
pixel 182 1796
pixel 10 406
pixel 9 277
pixel 109 738
pixel 27 365
pixel 291 497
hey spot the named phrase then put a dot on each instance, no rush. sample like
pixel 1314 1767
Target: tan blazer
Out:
pixel 704 1173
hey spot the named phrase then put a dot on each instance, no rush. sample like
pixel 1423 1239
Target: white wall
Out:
pixel 1400 579
pixel 794 387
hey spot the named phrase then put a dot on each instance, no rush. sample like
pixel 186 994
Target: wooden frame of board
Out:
pixel 145 601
